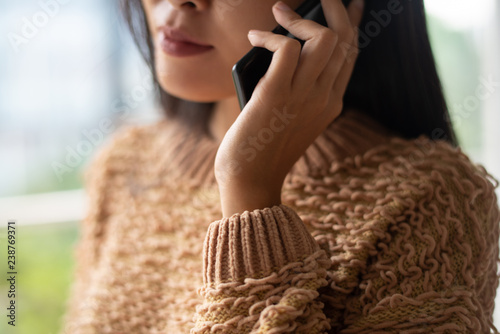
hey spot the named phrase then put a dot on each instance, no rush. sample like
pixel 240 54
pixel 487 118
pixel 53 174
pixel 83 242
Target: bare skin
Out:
pixel 298 97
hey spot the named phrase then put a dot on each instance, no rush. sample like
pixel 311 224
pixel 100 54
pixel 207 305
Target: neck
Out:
pixel 224 114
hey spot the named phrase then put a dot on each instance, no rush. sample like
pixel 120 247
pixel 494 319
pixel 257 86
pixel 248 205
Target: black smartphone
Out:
pixel 251 68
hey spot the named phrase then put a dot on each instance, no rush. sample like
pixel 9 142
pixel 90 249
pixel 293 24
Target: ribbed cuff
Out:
pixel 254 244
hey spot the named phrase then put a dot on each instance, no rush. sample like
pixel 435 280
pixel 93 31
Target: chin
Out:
pixel 199 92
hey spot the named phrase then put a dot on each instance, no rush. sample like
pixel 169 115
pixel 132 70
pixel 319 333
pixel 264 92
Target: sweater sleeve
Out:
pixel 262 270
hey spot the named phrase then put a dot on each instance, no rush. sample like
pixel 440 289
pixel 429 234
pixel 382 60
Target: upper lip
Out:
pixel 179 35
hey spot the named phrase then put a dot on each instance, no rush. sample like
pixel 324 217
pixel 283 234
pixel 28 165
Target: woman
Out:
pixel 335 202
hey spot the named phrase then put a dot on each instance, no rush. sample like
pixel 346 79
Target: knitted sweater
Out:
pixel 375 234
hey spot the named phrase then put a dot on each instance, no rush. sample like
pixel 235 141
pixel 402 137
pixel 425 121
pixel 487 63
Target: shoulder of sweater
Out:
pixel 397 174
pixel 420 153
pixel 123 143
pixel 434 156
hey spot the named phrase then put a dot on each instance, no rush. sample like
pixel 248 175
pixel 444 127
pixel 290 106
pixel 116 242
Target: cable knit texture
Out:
pixel 375 234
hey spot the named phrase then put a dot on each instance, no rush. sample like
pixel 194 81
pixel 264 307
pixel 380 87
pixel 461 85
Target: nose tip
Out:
pixel 192 4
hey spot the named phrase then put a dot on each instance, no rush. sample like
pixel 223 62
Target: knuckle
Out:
pixel 351 34
pixel 347 34
pixel 322 102
pixel 320 97
pixel 328 35
pixel 292 45
pixel 328 39
pixel 294 22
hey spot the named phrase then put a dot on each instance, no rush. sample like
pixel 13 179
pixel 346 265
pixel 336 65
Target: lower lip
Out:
pixel 182 49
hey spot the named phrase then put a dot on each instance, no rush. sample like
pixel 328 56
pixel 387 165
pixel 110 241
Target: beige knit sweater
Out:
pixel 376 234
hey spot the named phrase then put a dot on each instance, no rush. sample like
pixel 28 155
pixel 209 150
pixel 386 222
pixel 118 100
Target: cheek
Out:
pixel 233 35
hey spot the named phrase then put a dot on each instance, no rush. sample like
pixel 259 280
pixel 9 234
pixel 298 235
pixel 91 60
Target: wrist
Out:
pixel 238 199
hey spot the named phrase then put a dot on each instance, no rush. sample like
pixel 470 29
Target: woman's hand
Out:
pixel 298 97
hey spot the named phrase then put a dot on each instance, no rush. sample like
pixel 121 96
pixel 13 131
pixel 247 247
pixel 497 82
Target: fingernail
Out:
pixel 282 6
pixel 359 3
pixel 253 36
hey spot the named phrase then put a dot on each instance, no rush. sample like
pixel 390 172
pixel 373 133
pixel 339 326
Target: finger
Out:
pixel 347 22
pixel 355 12
pixel 294 23
pixel 319 43
pixel 285 58
pixel 336 15
pixel 345 54
pixel 345 73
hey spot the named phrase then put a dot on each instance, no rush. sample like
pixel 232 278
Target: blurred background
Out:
pixel 70 76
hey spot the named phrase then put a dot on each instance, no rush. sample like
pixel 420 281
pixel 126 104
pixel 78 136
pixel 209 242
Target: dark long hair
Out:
pixel 395 80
